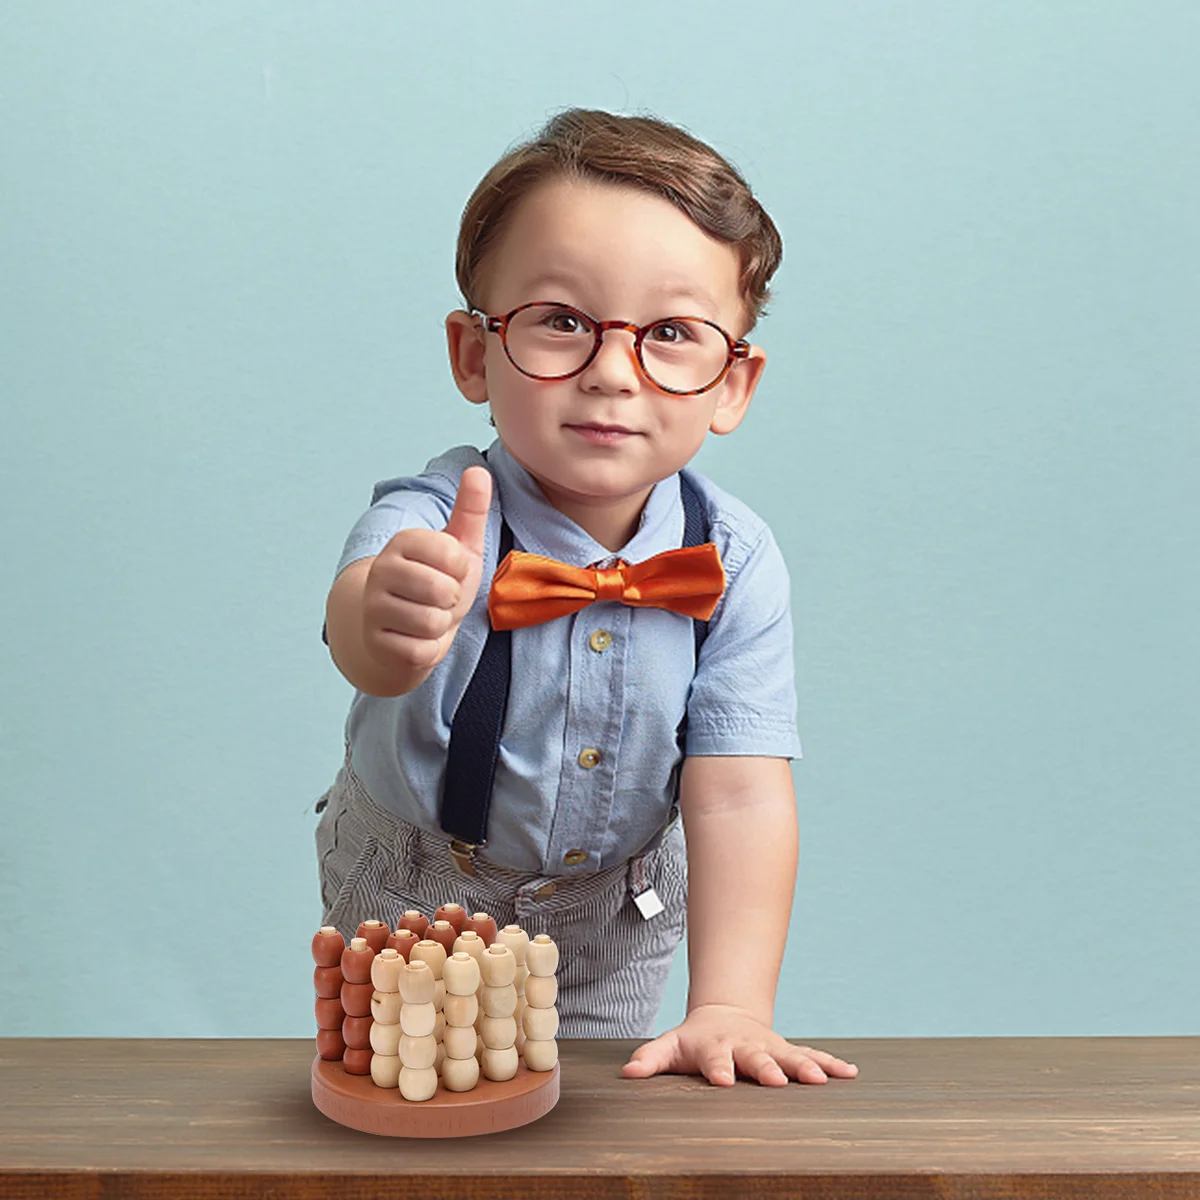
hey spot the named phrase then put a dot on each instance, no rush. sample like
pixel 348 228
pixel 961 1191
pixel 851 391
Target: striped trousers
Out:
pixel 613 963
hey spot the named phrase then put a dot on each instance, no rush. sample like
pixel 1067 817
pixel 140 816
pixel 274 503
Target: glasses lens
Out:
pixel 550 340
pixel 683 354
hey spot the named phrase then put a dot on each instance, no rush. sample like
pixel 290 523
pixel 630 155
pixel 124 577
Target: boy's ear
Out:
pixel 738 390
pixel 464 339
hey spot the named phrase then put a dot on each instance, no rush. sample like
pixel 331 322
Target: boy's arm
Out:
pixel 739 816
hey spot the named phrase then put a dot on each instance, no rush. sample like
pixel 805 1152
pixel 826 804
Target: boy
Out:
pixel 610 268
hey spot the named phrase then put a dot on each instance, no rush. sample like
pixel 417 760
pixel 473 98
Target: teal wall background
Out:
pixel 226 246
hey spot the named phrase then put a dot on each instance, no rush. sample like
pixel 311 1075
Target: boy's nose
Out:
pixel 615 367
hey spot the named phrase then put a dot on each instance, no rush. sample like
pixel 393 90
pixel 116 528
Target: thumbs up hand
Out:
pixel 422 584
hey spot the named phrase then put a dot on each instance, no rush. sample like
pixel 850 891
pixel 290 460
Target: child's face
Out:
pixel 598 442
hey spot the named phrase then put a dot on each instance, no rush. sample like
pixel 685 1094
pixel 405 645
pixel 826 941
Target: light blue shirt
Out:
pixel 570 692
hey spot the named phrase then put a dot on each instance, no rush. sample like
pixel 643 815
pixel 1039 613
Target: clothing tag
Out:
pixel 649 905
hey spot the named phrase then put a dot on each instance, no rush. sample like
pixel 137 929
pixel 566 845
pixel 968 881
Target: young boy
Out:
pixel 524 736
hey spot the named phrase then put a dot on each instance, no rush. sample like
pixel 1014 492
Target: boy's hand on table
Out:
pixel 720 1041
pixel 424 581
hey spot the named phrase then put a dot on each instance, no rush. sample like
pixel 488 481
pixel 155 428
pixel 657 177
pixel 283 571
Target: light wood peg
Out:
pixel 418 1052
pixel 418 1083
pixel 416 982
pixel 516 939
pixel 460 1041
pixel 385 1039
pixel 498 1033
pixel 540 1024
pixel 471 943
pixel 385 1008
pixel 540 1056
pixel 461 974
pixel 541 991
pixel 461 1010
pixel 385 970
pixel 541 956
pixel 385 1070
pixel 431 952
pixel 498 965
pixel 460 1074
pixel 500 1065
pixel 417 1020
pixel 498 1001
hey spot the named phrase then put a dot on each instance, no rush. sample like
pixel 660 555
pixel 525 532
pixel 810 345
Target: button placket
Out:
pixel 593 727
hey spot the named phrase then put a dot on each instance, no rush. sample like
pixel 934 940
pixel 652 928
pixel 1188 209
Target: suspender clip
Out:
pixel 463 854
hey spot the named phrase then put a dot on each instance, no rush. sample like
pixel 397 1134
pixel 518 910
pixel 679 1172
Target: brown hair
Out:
pixel 642 152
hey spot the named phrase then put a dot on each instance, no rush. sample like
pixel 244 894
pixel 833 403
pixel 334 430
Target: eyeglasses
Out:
pixel 681 355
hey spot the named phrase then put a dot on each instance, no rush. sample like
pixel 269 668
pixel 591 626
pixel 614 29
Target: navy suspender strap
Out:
pixel 475 740
pixel 479 719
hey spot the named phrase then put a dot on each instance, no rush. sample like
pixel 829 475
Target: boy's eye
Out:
pixel 670 333
pixel 565 322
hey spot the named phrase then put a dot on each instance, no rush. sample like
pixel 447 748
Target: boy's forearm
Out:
pixel 344 632
pixel 740 822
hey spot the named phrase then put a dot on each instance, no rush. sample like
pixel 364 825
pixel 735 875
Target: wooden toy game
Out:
pixel 442 1028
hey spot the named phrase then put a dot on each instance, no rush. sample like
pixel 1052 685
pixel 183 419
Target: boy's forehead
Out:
pixel 612 241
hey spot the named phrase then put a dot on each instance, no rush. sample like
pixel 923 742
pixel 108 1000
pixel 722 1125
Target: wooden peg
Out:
pixel 460 1074
pixel 356 999
pixel 540 1056
pixel 385 1008
pixel 417 1020
pixel 541 991
pixel 327 947
pixel 385 1039
pixel 418 1083
pixel 461 974
pixel 461 1010
pixel 516 939
pixel 429 951
pixel 356 961
pixel 498 1033
pixel 541 956
pixel 402 941
pixel 416 983
pixel 498 965
pixel 385 970
pixel 498 1001
pixel 482 924
pixel 499 1065
pixel 331 1045
pixel 540 1024
pixel 455 914
pixel 418 1052
pixel 460 1041
pixel 416 921
pixel 385 1070
pixel 375 933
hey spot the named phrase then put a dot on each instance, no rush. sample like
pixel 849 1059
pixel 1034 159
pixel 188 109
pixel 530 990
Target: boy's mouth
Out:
pixel 600 434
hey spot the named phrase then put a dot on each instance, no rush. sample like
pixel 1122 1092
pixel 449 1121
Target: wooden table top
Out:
pixel 951 1118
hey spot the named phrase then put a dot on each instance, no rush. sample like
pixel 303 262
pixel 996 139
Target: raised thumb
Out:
pixel 468 519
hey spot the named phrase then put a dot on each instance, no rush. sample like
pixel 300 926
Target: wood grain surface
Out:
pixel 952 1118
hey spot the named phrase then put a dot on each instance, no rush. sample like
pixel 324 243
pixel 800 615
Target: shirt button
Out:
pixel 545 891
pixel 589 757
pixel 574 857
pixel 600 640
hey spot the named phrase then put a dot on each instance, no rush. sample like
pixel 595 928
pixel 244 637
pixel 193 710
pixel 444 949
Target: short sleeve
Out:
pixel 743 697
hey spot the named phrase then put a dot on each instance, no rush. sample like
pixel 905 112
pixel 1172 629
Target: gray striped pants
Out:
pixel 613 963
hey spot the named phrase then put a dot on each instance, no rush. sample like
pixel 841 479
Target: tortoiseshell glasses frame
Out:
pixel 736 348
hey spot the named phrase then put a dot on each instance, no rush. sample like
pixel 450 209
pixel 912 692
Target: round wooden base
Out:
pixel 489 1107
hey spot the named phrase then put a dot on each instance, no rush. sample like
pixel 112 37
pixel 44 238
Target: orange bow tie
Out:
pixel 528 589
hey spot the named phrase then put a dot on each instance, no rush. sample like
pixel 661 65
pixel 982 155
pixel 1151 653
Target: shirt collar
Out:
pixel 539 528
